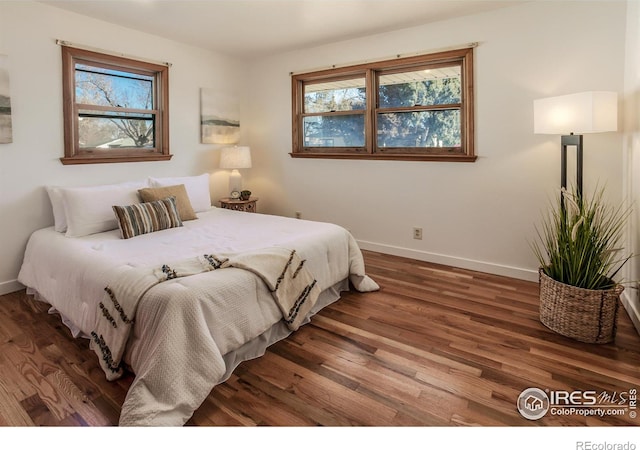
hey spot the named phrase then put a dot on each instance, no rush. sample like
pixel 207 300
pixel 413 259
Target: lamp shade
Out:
pixel 584 112
pixel 235 158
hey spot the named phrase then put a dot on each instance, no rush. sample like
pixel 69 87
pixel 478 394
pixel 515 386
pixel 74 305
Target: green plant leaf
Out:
pixel 579 240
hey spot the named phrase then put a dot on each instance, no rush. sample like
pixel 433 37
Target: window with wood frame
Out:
pixel 115 109
pixel 411 108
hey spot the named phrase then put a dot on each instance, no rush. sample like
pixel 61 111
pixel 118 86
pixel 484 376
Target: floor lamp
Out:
pixel 571 116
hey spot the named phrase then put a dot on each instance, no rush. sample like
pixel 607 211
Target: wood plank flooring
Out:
pixel 436 346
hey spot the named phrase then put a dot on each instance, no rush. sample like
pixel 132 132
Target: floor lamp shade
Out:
pixel 235 158
pixel 581 113
pixel 571 116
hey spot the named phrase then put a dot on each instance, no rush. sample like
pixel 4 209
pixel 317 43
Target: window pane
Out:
pixel 342 95
pixel 419 129
pixel 334 131
pixel 107 87
pixel 106 132
pixel 439 86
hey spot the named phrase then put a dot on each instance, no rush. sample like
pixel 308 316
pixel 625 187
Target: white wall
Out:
pixel 477 215
pixel 631 127
pixel 28 32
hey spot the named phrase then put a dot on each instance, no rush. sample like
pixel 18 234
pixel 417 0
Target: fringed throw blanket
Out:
pixel 294 290
pixel 292 286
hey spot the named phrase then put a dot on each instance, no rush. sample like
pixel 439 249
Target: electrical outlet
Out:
pixel 417 233
pixel 298 215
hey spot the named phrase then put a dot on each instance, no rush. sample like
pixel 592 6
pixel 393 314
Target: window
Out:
pixel 115 109
pixel 414 108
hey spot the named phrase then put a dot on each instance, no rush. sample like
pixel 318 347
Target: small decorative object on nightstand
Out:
pixel 248 205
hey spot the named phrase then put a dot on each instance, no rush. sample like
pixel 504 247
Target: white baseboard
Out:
pixel 463 263
pixel 632 306
pixel 7 287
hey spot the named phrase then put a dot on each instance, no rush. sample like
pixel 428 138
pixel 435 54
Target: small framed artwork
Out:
pixel 6 134
pixel 219 117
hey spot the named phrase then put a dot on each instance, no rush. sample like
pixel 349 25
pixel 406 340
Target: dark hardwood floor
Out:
pixel 436 346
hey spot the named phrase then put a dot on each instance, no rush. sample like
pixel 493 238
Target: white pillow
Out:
pixel 57 204
pixel 88 210
pixel 197 189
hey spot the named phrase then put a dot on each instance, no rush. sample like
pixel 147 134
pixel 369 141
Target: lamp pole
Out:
pixel 565 141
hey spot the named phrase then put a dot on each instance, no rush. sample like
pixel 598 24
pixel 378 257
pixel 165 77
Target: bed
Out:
pixel 182 334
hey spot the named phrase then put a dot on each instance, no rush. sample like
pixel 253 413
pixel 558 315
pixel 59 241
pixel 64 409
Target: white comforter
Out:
pixel 184 327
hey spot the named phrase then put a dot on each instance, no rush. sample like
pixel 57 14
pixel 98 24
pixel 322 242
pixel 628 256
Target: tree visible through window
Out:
pixel 336 114
pixel 407 108
pixel 115 108
pixel 426 123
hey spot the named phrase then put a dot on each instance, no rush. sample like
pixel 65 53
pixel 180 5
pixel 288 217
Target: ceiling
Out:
pixel 252 28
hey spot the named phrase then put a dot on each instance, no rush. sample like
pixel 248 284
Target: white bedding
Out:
pixel 190 332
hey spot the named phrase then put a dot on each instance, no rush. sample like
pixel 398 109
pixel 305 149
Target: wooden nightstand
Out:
pixel 239 205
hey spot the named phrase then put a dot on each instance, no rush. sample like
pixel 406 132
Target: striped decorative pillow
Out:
pixel 143 218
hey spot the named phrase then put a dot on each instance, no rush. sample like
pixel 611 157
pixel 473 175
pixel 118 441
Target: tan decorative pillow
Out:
pixel 178 191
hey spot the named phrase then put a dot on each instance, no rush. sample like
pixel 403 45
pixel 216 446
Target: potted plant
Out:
pixel 579 255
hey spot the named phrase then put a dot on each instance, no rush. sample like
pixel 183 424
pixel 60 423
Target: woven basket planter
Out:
pixel 582 314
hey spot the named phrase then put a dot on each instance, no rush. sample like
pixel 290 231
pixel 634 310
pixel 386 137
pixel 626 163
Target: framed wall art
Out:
pixel 6 134
pixel 219 117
